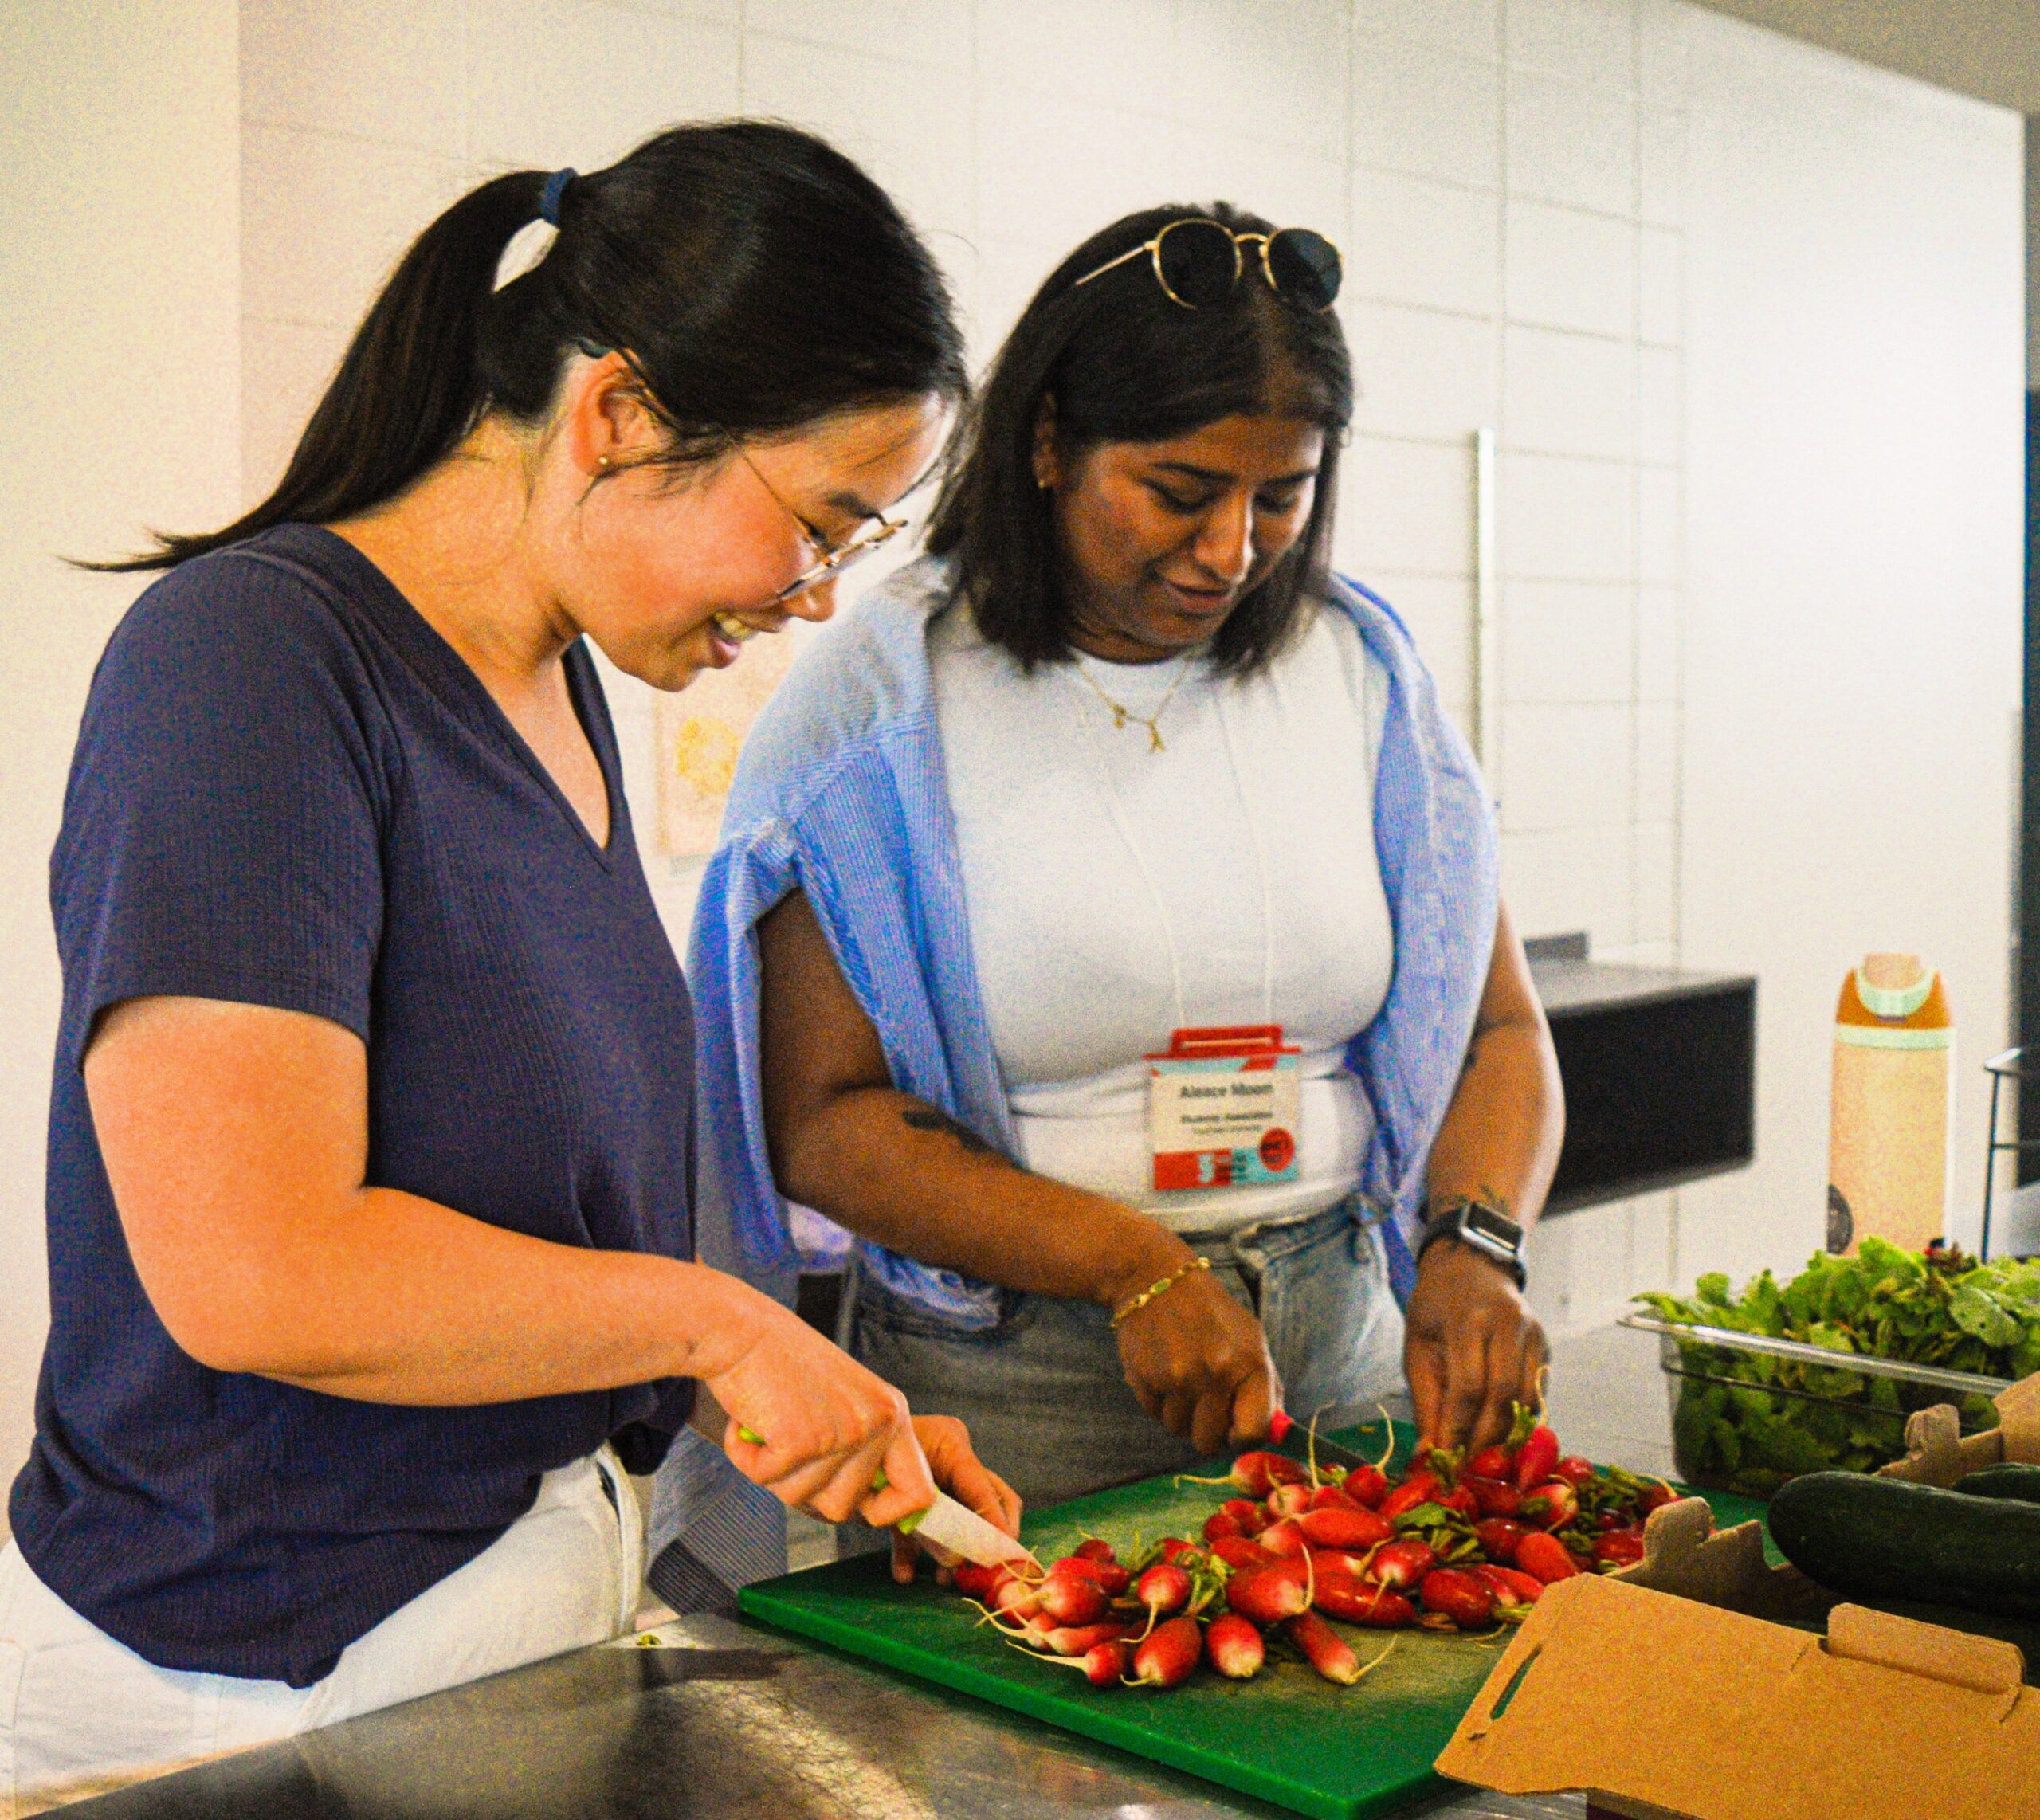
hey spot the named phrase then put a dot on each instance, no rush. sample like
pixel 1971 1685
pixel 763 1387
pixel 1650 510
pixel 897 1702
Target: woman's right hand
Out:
pixel 828 1425
pixel 1198 1362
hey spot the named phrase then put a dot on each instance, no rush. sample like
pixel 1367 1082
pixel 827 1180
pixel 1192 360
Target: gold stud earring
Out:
pixel 602 463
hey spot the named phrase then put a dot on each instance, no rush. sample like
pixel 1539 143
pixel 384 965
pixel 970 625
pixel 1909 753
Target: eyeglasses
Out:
pixel 831 558
pixel 1197 262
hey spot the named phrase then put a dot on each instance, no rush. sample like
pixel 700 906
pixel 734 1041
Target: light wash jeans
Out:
pixel 1048 1407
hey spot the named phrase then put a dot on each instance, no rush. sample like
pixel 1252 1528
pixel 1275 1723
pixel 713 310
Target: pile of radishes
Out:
pixel 1456 1544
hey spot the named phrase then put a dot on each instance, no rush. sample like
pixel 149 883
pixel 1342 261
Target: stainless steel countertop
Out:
pixel 715 1721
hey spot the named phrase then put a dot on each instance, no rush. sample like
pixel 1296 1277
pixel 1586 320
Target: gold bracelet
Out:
pixel 1155 1288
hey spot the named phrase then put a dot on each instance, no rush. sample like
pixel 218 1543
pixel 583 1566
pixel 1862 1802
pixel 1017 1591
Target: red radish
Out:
pixel 1171 1546
pixel 1287 1501
pixel 1266 1595
pixel 1402 1563
pixel 1094 1548
pixel 1653 1496
pixel 1234 1647
pixel 1461 1501
pixel 1334 1498
pixel 1513 1589
pixel 975 1582
pixel 1166 1656
pixel 1220 1527
pixel 1332 1528
pixel 1340 1561
pixel 1619 1548
pixel 1419 1488
pixel 1612 1519
pixel 1080 1640
pixel 1238 1551
pixel 1164 1588
pixel 1284 1538
pixel 1356 1602
pixel 1551 1506
pixel 1460 1596
pixel 1496 1497
pixel 1366 1486
pixel 1109 1574
pixel 1105 1664
pixel 1495 1462
pixel 1498 1538
pixel 1545 1557
pixel 1069 1599
pixel 1016 1598
pixel 1575 1471
pixel 1536 1457
pixel 1252 1517
pixel 1324 1649
pixel 1255 1473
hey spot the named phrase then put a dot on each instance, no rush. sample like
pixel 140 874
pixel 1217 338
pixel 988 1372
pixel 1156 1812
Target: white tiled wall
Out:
pixel 1509 180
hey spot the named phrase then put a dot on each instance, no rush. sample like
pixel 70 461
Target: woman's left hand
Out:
pixel 1473 1349
pixel 959 1471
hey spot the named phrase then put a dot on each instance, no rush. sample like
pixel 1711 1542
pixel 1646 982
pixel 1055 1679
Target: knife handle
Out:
pixel 878 1483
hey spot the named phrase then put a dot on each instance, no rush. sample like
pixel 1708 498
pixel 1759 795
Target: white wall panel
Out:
pixel 1568 394
pixel 1568 641
pixel 1419 108
pixel 1564 519
pixel 1572 143
pixel 1416 241
pixel 1584 758
pixel 936 32
pixel 1121 56
pixel 1406 507
pixel 1567 269
pixel 1472 28
pixel 1853 614
pixel 911 131
pixel 1557 879
pixel 119 337
pixel 397 74
pixel 1589 41
pixel 1272 69
pixel 1421 373
pixel 554 82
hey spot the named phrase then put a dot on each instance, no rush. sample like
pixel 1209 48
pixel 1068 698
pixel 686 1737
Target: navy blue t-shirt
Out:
pixel 289 791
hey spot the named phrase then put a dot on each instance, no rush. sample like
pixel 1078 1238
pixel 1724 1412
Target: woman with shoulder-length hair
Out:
pixel 371 1153
pixel 1106 929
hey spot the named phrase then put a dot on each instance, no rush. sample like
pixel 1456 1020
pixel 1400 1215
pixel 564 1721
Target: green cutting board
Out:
pixel 1287 1736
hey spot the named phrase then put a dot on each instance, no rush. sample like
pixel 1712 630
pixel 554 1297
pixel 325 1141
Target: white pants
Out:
pixel 81 1713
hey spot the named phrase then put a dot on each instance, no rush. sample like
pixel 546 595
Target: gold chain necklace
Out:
pixel 1121 713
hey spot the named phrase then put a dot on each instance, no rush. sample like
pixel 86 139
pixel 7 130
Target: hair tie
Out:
pixel 553 192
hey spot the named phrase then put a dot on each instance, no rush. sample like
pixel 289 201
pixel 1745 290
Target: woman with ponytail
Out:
pixel 371 1163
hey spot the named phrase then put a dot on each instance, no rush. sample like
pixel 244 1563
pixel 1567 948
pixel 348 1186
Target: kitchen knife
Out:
pixel 962 1531
pixel 946 1523
pixel 1284 1430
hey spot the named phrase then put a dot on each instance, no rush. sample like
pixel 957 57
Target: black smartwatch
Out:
pixel 1481 1228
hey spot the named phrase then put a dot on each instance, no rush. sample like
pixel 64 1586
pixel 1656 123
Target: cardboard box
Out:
pixel 1687 1687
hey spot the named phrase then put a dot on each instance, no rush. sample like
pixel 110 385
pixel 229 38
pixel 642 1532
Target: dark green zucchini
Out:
pixel 2007 1481
pixel 1874 1539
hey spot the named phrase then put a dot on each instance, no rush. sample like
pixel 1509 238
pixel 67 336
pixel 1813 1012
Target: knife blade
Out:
pixel 946 1523
pixel 1284 1430
pixel 964 1532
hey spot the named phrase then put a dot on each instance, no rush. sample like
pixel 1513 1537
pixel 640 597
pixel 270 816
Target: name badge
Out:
pixel 1223 1108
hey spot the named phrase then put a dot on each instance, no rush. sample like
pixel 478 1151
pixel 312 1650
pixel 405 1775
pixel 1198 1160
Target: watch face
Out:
pixel 1497 1228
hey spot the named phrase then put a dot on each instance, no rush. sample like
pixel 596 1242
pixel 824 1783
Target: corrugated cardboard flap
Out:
pixel 1651 1701
pixel 1937 1452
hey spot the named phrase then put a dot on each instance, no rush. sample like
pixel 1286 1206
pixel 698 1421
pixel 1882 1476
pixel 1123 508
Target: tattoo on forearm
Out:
pixel 928 1119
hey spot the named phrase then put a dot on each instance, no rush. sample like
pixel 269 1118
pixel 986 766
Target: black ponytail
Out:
pixel 756 278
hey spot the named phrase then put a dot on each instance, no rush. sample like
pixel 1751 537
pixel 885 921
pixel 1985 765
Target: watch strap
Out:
pixel 1455 1221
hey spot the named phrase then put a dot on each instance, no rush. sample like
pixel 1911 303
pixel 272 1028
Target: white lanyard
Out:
pixel 1155 897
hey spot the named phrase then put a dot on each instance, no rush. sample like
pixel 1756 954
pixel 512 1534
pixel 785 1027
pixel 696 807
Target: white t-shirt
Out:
pixel 1244 847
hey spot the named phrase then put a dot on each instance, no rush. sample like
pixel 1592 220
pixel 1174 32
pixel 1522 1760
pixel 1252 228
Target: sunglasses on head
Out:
pixel 1197 262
